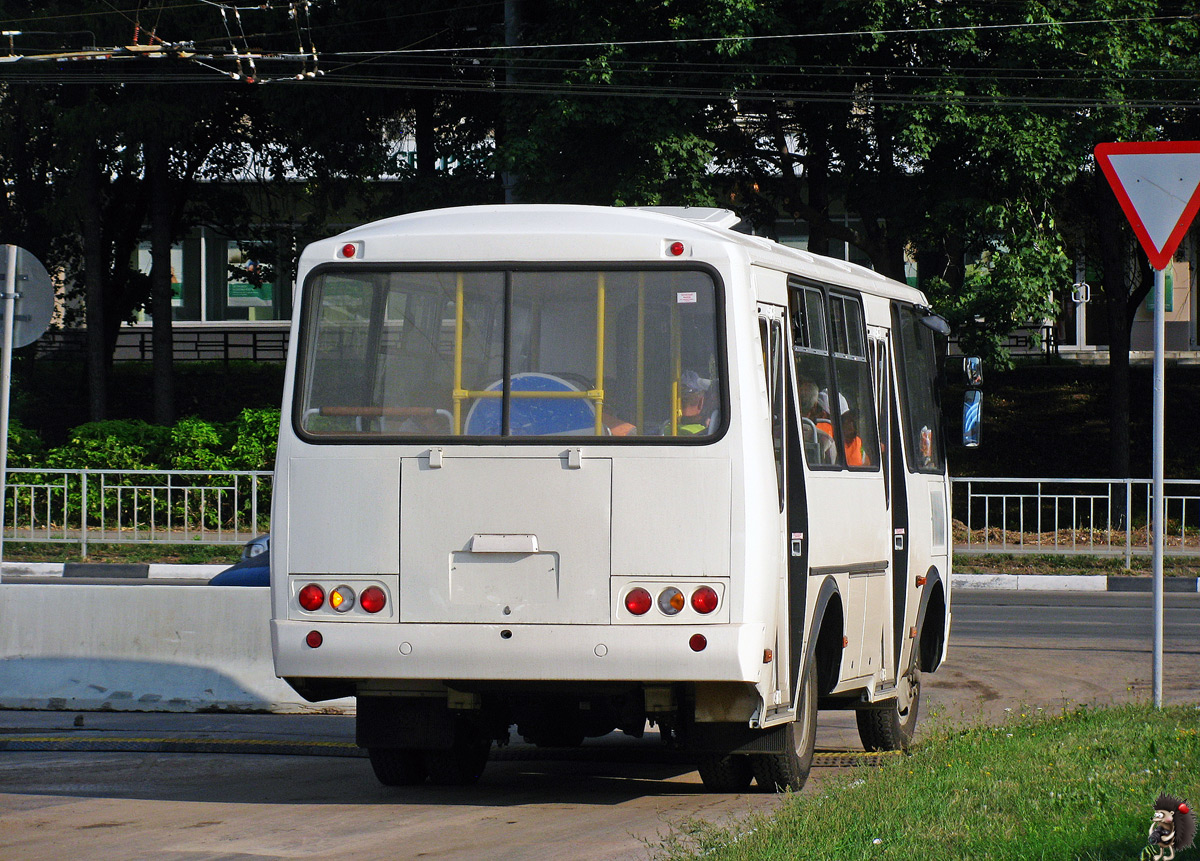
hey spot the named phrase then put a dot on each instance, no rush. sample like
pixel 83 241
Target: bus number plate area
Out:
pixel 505 540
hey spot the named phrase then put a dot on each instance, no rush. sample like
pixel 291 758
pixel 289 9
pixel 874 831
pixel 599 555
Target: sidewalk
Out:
pixel 15 571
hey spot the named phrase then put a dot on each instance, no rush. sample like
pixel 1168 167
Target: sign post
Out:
pixel 28 306
pixel 1158 187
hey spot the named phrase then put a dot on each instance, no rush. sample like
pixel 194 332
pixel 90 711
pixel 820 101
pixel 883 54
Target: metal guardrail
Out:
pixel 991 515
pixel 265 342
pixel 1072 515
pixel 83 506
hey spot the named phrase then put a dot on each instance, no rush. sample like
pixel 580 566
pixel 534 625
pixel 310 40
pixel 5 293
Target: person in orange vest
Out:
pixel 852 443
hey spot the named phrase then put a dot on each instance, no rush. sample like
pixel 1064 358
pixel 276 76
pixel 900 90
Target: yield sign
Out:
pixel 1158 185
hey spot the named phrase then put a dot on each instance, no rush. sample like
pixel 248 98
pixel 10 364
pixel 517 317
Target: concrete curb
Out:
pixel 136 571
pixel 1075 583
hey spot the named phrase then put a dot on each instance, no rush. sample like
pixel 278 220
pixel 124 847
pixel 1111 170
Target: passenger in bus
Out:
pixel 851 442
pixel 816 428
pixel 695 406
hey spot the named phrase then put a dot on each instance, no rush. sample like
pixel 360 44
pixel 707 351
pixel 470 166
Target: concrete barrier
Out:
pixel 141 648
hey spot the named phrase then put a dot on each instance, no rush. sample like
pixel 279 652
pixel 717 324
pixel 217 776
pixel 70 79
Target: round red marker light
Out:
pixel 311 597
pixel 638 601
pixel 372 599
pixel 698 642
pixel 676 249
pixel 704 600
pixel 349 249
pixel 314 639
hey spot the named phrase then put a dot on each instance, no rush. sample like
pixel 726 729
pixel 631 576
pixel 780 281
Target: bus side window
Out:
pixel 857 418
pixel 814 376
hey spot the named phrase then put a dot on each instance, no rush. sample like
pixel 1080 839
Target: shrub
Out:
pixel 25 447
pixel 113 444
pixel 197 444
pixel 256 433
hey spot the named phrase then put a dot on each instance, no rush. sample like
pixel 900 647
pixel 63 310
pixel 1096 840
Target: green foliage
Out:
pixel 246 443
pixel 112 444
pixel 1021 266
pixel 25 447
pixel 255 434
pixel 1075 784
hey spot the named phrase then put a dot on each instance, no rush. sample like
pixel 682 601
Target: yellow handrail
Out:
pixel 458 394
pixel 598 392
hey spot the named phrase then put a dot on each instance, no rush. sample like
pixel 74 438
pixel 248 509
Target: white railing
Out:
pixel 83 506
pixel 1072 515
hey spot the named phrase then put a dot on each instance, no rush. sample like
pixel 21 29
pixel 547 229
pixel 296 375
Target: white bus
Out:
pixel 582 469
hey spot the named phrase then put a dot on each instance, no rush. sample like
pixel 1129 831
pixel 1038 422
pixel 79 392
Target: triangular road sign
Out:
pixel 1158 186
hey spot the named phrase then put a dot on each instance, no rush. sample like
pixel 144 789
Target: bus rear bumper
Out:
pixel 639 653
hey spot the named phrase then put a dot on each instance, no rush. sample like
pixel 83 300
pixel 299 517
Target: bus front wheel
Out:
pixel 789 770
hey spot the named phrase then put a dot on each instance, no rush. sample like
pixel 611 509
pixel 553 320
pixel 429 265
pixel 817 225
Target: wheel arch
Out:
pixel 825 636
pixel 931 623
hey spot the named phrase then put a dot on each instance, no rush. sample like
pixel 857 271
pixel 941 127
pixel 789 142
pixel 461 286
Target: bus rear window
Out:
pixel 515 353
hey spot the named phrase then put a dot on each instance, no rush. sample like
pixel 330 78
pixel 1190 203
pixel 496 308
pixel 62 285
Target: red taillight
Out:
pixel 314 639
pixel 704 600
pixel 349 250
pixel 372 599
pixel 638 601
pixel 698 642
pixel 311 597
pixel 676 249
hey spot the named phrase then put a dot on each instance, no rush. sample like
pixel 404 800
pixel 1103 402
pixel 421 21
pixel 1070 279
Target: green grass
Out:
pixel 1049 563
pixel 179 554
pixel 1078 785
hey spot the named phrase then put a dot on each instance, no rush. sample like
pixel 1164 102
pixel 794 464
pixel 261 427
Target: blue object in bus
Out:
pixel 533 416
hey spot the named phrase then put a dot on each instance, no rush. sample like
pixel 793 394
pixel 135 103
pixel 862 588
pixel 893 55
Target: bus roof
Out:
pixel 677 222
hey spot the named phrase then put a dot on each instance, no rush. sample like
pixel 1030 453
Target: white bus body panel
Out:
pixel 706 513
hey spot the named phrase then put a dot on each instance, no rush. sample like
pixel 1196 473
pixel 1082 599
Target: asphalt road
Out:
pixel 614 799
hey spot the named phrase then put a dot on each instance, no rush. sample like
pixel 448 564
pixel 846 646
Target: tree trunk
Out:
pixel 92 232
pixel 1116 298
pixel 162 337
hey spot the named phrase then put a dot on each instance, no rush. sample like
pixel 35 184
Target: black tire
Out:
pixel 463 763
pixel 728 773
pixel 397 767
pixel 893 727
pixel 778 772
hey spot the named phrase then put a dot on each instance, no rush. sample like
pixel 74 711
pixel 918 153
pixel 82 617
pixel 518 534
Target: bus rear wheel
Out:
pixel 394 767
pixel 728 773
pixel 893 726
pixel 463 763
pixel 789 770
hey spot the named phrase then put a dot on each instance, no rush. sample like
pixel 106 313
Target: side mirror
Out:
pixel 973 370
pixel 972 418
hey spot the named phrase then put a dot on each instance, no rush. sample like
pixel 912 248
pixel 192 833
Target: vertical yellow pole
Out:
pixel 641 354
pixel 458 353
pixel 676 370
pixel 600 354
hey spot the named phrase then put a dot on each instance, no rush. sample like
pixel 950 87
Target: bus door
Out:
pixel 895 492
pixel 849 528
pixel 789 504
